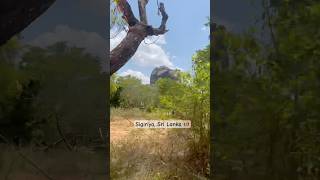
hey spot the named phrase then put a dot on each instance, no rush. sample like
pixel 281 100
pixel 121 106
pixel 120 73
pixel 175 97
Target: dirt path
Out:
pixel 122 129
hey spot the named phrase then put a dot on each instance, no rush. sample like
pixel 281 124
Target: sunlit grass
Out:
pixel 151 153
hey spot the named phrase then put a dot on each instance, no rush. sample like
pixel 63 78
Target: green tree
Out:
pixel 135 94
pixel 72 89
pixel 189 98
pixel 16 95
pixel 267 98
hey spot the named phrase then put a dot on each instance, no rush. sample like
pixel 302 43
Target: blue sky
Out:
pixel 83 23
pixel 186 35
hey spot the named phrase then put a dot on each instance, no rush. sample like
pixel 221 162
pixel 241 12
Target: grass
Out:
pixel 136 113
pixel 146 154
pixel 57 163
pixel 152 154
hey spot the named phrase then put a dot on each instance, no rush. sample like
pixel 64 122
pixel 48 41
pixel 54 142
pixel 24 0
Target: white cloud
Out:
pixel 92 42
pixel 150 52
pixel 205 28
pixel 152 55
pixel 144 79
pixel 181 69
pixel 116 37
pixel 160 40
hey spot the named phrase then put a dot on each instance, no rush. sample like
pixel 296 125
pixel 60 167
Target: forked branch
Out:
pixel 142 11
pixel 162 27
pixel 128 15
pixel 138 31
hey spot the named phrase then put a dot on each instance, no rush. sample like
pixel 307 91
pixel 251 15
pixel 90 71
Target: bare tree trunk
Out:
pixel 128 46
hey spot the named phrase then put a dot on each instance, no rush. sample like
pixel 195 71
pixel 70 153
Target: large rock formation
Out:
pixel 163 72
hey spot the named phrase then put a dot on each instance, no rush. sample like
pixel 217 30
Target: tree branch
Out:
pixel 128 15
pixel 121 54
pixel 162 27
pixel 142 11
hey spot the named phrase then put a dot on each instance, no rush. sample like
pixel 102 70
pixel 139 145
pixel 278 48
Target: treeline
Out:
pixel 47 93
pixel 267 96
pixel 129 92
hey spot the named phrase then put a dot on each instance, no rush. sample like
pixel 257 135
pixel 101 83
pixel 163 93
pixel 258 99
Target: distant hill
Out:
pixel 163 72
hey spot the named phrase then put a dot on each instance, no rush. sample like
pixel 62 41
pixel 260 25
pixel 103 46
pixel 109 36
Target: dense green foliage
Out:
pixel 267 118
pixel 49 84
pixel 129 92
pixel 189 98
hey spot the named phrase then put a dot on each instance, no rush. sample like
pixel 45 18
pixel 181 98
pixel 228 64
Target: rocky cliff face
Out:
pixel 163 72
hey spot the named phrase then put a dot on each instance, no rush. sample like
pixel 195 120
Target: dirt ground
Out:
pixel 122 129
pixel 150 153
